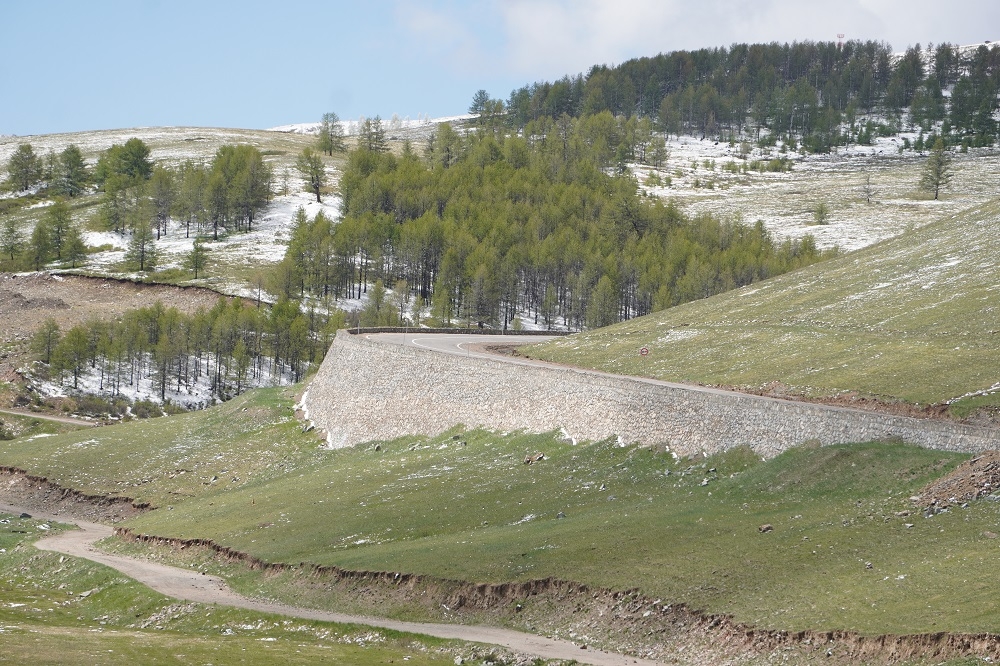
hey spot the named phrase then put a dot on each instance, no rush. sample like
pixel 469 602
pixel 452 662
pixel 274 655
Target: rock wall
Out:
pixel 368 391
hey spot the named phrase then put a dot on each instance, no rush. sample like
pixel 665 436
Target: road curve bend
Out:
pixel 192 586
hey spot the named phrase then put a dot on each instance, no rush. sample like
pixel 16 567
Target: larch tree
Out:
pixel 141 254
pixel 163 192
pixel 39 247
pixel 310 166
pixel 331 134
pixel 74 250
pixel 481 104
pixel 24 169
pixel 58 219
pixel 937 170
pixel 11 240
pixel 372 137
pixel 71 175
pixel 197 258
pixel 45 340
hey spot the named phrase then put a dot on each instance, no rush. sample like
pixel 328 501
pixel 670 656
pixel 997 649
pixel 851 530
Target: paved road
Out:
pixel 191 586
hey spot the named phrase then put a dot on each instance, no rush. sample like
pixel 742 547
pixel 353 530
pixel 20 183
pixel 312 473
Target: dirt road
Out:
pixel 191 586
pixel 48 417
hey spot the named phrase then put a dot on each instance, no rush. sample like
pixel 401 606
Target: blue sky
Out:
pixel 68 66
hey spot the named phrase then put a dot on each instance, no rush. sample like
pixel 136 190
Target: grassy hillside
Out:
pixel 478 513
pixel 165 460
pixel 59 610
pixel 913 318
pixel 468 508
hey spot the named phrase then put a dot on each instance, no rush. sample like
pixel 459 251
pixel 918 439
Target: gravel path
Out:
pixel 48 417
pixel 191 586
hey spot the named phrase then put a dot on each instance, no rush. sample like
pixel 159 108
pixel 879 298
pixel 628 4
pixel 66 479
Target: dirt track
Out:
pixel 190 586
pixel 47 417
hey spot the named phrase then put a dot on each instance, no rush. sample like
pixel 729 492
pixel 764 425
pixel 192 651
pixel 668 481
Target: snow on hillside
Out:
pixel 263 246
pixel 171 145
pixel 395 127
pixel 696 178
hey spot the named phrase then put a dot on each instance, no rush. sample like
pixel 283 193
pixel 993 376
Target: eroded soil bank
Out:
pixel 36 493
pixel 619 621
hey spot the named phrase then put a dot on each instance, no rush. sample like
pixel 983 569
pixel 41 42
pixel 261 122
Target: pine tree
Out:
pixel 937 169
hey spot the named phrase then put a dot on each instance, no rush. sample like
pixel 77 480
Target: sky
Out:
pixel 102 64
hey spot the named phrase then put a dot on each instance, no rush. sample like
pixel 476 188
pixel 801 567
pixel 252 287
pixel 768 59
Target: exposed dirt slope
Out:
pixel 26 301
pixel 35 493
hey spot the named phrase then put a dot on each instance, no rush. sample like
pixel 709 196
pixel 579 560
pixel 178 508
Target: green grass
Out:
pixel 165 460
pixel 46 619
pixel 914 318
pixel 464 506
pixel 26 426
pixel 477 513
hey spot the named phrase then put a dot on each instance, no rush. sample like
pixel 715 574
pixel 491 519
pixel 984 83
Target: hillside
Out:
pixel 236 259
pixel 912 318
pixel 847 549
pixel 617 196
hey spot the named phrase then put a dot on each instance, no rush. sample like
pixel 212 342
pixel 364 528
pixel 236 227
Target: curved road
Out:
pixel 191 586
pixel 464 345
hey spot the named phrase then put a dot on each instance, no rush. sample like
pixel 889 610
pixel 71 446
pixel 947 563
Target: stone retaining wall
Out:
pixel 368 391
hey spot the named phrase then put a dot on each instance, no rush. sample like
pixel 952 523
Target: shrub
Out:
pixel 821 213
pixel 144 409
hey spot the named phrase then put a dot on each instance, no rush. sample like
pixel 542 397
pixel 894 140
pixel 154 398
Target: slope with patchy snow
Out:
pixel 914 318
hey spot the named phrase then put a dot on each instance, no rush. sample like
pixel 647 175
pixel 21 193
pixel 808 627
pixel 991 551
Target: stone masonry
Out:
pixel 368 391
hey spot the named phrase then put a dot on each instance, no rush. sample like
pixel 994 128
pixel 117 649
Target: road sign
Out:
pixel 644 351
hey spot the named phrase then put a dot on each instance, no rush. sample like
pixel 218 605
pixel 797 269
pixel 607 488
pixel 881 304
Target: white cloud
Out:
pixel 548 38
pixel 448 38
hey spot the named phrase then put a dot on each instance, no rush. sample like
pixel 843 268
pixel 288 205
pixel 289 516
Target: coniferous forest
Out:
pixel 530 213
pixel 495 225
pixel 814 92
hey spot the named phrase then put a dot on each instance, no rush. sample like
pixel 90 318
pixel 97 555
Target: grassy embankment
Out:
pixel 26 425
pixel 58 610
pixel 913 319
pixel 476 512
